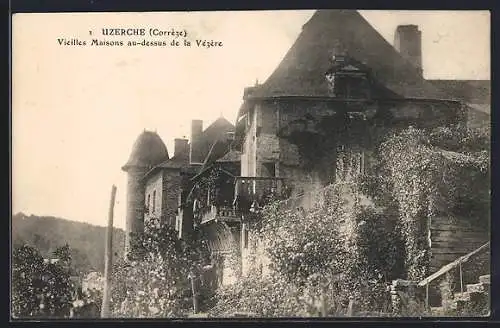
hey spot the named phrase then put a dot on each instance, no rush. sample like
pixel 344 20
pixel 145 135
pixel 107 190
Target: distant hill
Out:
pixel 87 241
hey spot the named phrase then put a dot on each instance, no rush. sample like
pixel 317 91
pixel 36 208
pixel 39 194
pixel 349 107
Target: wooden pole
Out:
pixel 350 307
pixel 108 258
pixel 323 303
pixel 194 289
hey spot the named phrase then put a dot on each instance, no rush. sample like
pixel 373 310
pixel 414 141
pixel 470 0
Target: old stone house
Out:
pixel 306 126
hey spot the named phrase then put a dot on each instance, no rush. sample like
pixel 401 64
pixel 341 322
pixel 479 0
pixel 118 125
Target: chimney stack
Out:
pixel 181 147
pixel 408 41
pixel 196 130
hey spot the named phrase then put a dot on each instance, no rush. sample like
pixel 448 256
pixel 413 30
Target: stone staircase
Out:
pixel 475 301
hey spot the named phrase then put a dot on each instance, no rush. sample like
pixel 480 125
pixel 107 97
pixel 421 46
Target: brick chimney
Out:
pixel 181 147
pixel 196 130
pixel 408 41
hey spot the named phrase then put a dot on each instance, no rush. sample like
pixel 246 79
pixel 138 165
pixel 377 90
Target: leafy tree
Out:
pixel 26 281
pixel 40 288
pixel 154 281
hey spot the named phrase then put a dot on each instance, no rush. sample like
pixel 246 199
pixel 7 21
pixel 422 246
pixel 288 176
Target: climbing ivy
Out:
pixel 416 175
pixel 424 173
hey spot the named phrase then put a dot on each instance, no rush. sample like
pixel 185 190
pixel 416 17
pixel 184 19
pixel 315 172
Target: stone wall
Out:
pixel 291 162
pixel 248 156
pixel 245 249
pixel 135 204
pixel 171 190
pixel 166 185
pixel 427 113
pixel 253 257
pixel 407 298
pixel 224 241
pixel 153 189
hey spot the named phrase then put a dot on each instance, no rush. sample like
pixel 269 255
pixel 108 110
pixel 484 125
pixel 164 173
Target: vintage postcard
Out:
pixel 282 163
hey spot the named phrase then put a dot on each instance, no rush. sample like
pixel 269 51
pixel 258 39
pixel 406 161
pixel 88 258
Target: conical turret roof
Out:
pixel 148 151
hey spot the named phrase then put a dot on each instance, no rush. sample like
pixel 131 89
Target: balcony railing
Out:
pixel 258 188
pixel 220 213
pixel 248 194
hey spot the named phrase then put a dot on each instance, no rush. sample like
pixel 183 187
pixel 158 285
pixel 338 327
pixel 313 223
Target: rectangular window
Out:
pixel 362 163
pixel 154 201
pixel 148 204
pixel 341 165
pixel 245 237
pixel 268 169
pixel 351 86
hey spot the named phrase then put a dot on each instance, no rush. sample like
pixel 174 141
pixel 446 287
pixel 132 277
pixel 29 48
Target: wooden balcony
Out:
pixel 223 213
pixel 251 193
pixel 258 186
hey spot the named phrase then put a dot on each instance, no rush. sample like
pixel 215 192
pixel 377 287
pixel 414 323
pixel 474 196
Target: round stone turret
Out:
pixel 147 152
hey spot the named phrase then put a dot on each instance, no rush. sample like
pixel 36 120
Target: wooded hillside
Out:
pixel 87 242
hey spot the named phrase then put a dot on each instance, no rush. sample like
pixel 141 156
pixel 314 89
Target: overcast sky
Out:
pixel 78 110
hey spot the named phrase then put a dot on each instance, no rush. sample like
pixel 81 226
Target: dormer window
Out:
pixel 347 79
pixel 338 59
pixel 352 86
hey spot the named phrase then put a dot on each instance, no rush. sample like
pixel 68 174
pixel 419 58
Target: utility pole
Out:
pixel 108 257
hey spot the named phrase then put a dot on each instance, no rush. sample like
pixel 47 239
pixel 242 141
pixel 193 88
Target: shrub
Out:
pixel 154 281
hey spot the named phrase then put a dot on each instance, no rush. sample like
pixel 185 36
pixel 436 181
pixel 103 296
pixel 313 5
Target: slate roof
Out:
pixel 479 115
pixel 469 91
pixel 231 156
pixel 218 150
pixel 328 32
pixel 216 131
pixel 221 152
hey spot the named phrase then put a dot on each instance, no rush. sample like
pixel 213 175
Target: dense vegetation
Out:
pixel 345 251
pixel 321 261
pixel 40 287
pixel 155 282
pixel 336 259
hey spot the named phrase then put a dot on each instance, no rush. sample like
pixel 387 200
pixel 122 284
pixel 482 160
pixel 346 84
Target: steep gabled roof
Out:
pixel 217 130
pixel 329 32
pixel 218 150
pixel 221 152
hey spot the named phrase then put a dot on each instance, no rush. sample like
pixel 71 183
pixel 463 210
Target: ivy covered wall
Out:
pixel 361 234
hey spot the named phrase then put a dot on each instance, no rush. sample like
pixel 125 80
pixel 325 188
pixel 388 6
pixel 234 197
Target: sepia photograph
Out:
pixel 250 164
